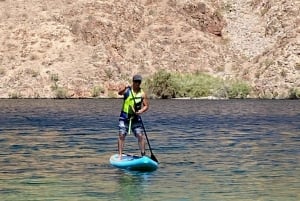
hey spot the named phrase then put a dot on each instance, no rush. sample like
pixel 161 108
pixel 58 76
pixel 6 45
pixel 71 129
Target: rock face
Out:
pixel 85 48
pixel 267 33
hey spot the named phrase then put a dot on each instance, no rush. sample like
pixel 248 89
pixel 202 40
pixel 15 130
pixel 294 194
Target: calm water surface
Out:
pixel 208 150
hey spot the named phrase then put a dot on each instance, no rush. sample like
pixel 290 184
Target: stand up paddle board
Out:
pixel 131 162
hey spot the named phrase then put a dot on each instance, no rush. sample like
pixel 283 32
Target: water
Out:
pixel 208 150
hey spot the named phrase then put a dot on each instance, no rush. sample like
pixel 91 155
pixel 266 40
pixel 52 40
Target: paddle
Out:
pixel 129 127
pixel 152 155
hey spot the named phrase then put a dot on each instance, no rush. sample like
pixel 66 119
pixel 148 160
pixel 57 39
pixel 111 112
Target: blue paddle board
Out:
pixel 131 162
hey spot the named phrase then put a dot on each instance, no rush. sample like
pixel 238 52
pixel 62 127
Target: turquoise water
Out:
pixel 208 150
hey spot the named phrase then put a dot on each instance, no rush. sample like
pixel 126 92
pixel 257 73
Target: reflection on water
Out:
pixel 208 150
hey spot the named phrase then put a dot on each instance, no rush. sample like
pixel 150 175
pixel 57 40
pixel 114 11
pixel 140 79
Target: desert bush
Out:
pixel 111 94
pixel 283 73
pixel 108 73
pixel 61 93
pixel 2 71
pixel 97 90
pixel 197 85
pixel 294 93
pixel 164 84
pixel 54 77
pixel 32 72
pixel 15 95
pixel 238 89
pixel 297 66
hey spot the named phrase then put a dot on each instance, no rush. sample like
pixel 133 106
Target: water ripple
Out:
pixel 208 150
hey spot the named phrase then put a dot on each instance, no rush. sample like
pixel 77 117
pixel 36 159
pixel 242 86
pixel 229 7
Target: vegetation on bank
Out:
pixel 165 85
pixel 294 94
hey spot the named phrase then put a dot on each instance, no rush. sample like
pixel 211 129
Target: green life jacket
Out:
pixel 132 102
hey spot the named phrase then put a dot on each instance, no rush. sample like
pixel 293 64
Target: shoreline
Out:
pixel 181 98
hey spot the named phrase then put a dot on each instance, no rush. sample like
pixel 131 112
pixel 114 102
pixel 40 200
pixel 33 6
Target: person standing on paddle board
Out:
pixel 135 103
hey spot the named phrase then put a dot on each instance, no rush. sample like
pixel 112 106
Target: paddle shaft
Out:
pixel 129 127
pixel 152 155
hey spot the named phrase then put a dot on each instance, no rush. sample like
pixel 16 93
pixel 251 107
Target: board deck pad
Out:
pixel 132 162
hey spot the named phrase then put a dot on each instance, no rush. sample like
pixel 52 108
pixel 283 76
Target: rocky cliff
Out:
pixel 84 48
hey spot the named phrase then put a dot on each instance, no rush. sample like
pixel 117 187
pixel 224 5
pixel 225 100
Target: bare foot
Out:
pixel 120 157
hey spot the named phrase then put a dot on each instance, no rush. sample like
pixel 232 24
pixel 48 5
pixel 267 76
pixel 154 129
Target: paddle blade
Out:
pixel 154 158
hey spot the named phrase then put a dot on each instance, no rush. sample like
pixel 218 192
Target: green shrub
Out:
pixel 164 84
pixel 238 89
pixel 197 85
pixel 54 77
pixel 15 95
pixel 294 93
pixel 97 90
pixel 61 93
